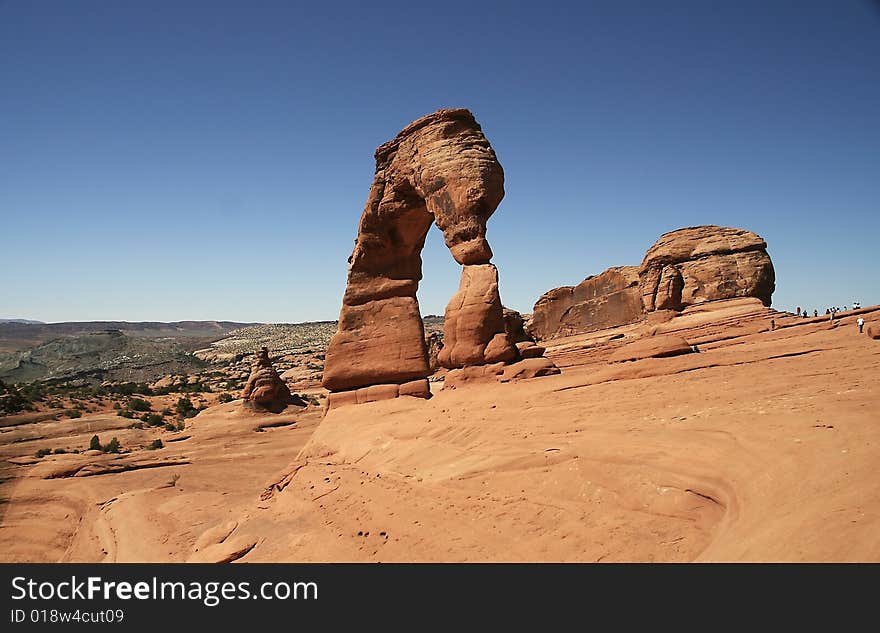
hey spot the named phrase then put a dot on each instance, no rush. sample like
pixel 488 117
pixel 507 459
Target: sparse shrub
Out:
pixel 139 404
pixel 155 444
pixel 181 425
pixel 60 451
pixel 95 444
pixel 43 452
pixel 170 427
pixel 185 408
pixel 225 397
pixel 137 425
pixel 126 413
pixel 116 405
pixel 112 446
pixel 12 400
pixel 73 413
pixel 153 419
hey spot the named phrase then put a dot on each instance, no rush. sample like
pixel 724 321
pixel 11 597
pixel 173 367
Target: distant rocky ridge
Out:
pixel 93 352
pixel 683 268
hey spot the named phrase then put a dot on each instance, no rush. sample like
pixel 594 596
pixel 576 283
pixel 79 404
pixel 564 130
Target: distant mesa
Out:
pixel 265 389
pixel 439 170
pixel 683 268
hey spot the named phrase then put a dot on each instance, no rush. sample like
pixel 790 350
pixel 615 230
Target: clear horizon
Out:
pixel 210 161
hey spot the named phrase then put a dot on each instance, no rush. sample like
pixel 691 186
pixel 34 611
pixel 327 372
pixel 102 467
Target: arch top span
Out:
pixel 439 169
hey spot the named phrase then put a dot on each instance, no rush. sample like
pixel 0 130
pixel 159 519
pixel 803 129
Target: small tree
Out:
pixel 157 443
pixel 139 404
pixel 112 447
pixel 95 444
pixel 185 408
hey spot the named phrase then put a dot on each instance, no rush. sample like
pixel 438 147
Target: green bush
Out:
pixel 59 451
pixel 157 443
pixel 112 447
pixel 225 397
pixel 73 413
pixel 126 413
pixel 43 452
pixel 95 444
pixel 153 419
pixel 12 400
pixel 139 404
pixel 166 412
pixel 185 408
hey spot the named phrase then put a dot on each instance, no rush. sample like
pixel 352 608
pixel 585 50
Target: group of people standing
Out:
pixel 830 313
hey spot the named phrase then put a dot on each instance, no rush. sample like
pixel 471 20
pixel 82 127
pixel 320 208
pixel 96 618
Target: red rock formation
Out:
pixel 609 299
pixel 264 387
pixel 440 169
pixel 872 329
pixel 514 325
pixel 474 331
pixel 659 346
pixel 529 368
pixel 705 263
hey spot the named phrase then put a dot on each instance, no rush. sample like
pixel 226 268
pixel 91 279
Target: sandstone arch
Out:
pixel 440 169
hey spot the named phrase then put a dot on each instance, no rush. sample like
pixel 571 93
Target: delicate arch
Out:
pixel 439 169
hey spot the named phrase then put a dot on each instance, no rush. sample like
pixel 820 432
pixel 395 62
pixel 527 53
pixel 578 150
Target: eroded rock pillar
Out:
pixel 474 332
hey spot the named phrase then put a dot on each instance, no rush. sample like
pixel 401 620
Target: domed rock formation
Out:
pixel 440 169
pixel 609 299
pixel 705 263
pixel 265 388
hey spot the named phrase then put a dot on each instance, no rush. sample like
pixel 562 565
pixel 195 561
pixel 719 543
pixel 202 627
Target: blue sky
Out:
pixel 210 160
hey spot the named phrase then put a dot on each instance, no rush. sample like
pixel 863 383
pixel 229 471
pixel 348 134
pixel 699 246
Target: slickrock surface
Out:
pixel 762 447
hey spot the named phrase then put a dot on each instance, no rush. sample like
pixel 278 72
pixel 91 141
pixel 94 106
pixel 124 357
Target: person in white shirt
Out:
pixel 861 323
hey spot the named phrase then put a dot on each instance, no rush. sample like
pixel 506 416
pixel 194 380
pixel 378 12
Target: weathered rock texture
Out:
pixel 439 169
pixel 514 325
pixel 264 387
pixel 660 346
pixel 474 332
pixel 609 299
pixel 872 329
pixel 705 263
